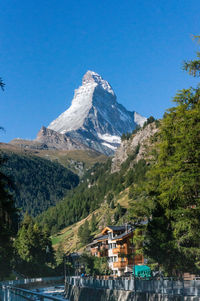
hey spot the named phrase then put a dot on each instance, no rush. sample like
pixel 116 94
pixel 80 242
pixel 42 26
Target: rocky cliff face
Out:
pixel 127 147
pixel 94 120
pixel 55 140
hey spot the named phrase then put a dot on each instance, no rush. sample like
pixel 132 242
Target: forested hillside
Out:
pixel 99 185
pixel 37 183
pixel 169 198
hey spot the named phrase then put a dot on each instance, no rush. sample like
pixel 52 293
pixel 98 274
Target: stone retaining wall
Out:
pixel 75 293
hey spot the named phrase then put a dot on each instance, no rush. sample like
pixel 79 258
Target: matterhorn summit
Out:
pixel 94 120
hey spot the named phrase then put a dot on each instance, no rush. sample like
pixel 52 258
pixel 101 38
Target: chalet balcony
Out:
pixel 120 264
pixel 120 250
pixel 99 250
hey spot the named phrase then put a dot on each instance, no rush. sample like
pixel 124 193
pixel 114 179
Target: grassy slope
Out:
pixel 68 238
pixel 68 159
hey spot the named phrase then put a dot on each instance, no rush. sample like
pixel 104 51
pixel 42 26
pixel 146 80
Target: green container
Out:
pixel 142 271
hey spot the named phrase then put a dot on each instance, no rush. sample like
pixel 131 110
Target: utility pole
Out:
pixel 64 261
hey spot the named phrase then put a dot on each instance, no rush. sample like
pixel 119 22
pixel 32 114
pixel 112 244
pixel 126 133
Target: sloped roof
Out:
pixel 98 239
pixel 115 228
pixel 118 237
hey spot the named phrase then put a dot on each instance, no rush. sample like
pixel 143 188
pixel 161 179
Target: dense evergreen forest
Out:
pixel 37 183
pixel 98 185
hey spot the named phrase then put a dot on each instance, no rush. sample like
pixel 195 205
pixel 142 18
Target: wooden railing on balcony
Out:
pixel 120 264
pixel 120 250
pixel 99 251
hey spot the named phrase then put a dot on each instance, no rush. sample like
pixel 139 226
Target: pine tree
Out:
pixel 2 85
pixel 112 205
pixel 84 233
pixel 93 223
pixel 33 248
pixel 118 213
pixel 8 221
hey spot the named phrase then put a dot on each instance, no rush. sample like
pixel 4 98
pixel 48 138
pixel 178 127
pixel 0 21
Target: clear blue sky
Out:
pixel 47 46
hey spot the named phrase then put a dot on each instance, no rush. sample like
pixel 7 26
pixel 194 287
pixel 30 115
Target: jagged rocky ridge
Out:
pixel 94 120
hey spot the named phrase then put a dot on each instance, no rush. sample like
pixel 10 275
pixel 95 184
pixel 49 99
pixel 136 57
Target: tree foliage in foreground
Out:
pixel 8 224
pixel 170 197
pixel 94 265
pixel 8 219
pixel 33 249
pixel 2 84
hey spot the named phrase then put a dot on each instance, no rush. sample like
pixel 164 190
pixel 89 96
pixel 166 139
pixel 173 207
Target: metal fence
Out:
pixel 18 294
pixel 161 286
pixel 30 280
pixel 10 292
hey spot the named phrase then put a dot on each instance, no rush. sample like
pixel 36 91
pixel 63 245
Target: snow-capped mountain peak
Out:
pixel 91 77
pixel 95 118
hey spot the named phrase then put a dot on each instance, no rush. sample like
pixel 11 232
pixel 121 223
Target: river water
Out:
pixel 55 291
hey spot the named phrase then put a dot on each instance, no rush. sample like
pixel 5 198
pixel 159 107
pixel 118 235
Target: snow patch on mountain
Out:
pixel 110 138
pixel 110 146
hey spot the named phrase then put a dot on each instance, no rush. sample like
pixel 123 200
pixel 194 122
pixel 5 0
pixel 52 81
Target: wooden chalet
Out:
pixel 116 244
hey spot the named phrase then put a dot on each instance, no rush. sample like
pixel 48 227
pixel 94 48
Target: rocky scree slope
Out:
pixel 94 120
pixel 141 140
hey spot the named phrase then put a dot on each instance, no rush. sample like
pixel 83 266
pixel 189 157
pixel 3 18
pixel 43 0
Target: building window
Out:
pixel 110 235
